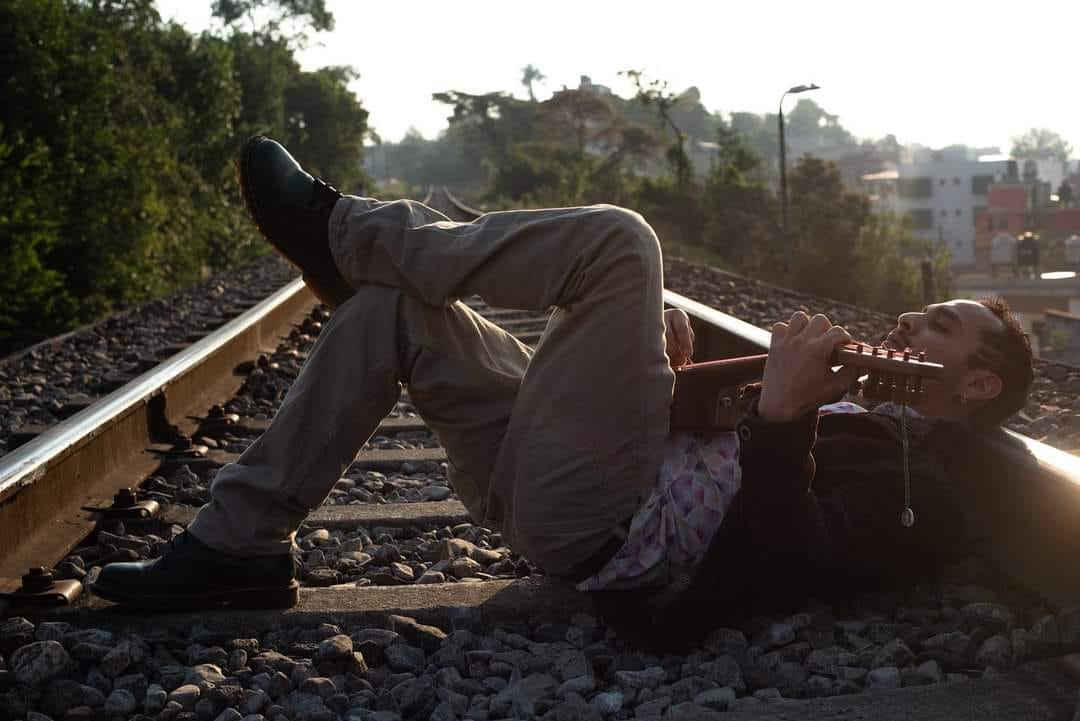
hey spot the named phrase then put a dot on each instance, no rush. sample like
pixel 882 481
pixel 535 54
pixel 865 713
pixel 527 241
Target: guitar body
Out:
pixel 707 395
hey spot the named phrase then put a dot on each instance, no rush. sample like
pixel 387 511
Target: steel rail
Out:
pixel 85 459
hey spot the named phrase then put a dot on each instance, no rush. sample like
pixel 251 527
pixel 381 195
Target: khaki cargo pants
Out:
pixel 554 446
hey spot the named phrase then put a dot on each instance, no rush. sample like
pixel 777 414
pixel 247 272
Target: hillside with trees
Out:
pixel 706 183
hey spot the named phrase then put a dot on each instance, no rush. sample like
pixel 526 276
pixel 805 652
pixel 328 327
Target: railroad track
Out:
pixel 449 622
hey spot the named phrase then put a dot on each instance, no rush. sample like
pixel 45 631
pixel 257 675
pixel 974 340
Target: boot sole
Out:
pixel 241 165
pixel 248 598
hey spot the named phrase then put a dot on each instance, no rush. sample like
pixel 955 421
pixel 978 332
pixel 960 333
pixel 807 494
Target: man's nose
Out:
pixel 909 322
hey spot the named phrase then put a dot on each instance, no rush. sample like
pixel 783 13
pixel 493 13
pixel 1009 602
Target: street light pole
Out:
pixel 788 251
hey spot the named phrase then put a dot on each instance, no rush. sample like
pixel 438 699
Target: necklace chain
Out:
pixel 907 516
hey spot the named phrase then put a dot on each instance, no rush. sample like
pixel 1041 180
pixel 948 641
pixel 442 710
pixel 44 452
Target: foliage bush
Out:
pixel 116 139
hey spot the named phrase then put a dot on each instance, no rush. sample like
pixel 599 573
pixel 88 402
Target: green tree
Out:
pixel 116 141
pixel 270 17
pixel 843 250
pixel 326 125
pixel 531 74
pixel 655 94
pixel 1041 144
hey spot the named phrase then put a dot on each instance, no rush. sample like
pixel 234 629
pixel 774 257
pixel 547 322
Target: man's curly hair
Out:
pixel 1006 352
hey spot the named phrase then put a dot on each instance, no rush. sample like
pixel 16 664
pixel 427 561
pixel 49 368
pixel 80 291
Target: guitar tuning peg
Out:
pixel 907 354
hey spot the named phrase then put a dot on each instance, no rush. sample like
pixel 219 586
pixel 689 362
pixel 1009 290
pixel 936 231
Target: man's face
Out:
pixel 949 333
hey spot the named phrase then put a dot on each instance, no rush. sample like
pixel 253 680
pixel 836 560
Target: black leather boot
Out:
pixel 190 574
pixel 292 210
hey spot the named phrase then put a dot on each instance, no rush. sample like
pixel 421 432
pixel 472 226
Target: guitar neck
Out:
pixel 873 358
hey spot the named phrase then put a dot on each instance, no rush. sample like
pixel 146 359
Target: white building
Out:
pixel 941 190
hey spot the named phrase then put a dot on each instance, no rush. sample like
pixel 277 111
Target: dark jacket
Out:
pixel 818 514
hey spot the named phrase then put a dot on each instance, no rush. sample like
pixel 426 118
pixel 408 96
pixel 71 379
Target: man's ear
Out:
pixel 982 385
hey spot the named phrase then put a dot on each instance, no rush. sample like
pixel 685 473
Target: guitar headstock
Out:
pixel 894 375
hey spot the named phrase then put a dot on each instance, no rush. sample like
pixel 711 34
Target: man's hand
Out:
pixel 798 377
pixel 678 337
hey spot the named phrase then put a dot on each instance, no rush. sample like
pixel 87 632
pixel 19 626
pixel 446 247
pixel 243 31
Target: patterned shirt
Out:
pixel 696 484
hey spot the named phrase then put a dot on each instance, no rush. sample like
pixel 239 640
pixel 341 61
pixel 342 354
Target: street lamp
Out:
pixel 783 174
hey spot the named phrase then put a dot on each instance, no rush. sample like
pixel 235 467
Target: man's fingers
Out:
pixel 686 343
pixel 818 325
pixel 797 322
pixel 779 332
pixel 839 383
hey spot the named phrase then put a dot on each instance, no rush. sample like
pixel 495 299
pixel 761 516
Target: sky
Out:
pixel 935 73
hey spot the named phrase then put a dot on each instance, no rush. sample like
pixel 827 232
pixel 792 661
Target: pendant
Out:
pixel 907 518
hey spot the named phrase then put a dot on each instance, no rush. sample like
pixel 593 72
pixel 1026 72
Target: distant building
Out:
pixel 942 190
pixel 1017 211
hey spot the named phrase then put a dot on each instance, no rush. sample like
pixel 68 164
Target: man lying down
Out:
pixel 566 448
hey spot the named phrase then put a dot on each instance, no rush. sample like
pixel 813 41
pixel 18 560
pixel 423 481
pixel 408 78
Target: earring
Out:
pixel 963 399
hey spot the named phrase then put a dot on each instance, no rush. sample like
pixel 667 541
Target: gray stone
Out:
pixel 60 696
pixel 725 671
pixel 229 714
pixel 136 683
pixel 415 697
pixel 931 671
pixel 775 635
pixel 204 675
pixel 726 641
pixel 649 678
pixel 994 616
pixel 995 652
pixel 253 700
pixel 120 702
pixel 580 685
pixel 687 709
pixel 854 674
pixel 823 660
pixel 118 659
pixel 653 707
pixel 36 716
pixel 894 653
pixel 172 675
pixel 51 630
pixel 35 664
pixel 880 678
pixel 464 567
pixel 298 703
pixel 237 659
pixel 1068 628
pixel 187 696
pixel 819 686
pixel 608 702
pixel 771 671
pixel 89 635
pixel 957 643
pixel 572 664
pixel 155 699
pixel 1042 640
pixel 429 638
pixel 405 658
pixel 14 632
pixel 335 648
pixel 318 686
pixel 95 678
pixel 716 699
